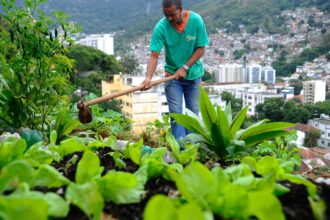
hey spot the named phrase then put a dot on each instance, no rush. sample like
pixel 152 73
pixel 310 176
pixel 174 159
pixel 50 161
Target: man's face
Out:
pixel 173 14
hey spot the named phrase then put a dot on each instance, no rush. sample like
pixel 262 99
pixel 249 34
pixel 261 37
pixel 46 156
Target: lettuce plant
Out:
pixel 221 132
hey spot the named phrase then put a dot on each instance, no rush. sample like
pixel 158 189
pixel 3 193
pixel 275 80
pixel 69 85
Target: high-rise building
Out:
pixel 103 42
pixel 141 106
pixel 314 91
pixel 229 73
pixel 252 73
pixel 268 74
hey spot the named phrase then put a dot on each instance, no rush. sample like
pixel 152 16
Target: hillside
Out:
pixel 133 18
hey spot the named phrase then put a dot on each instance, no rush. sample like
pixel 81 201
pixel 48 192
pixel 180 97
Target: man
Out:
pixel 184 37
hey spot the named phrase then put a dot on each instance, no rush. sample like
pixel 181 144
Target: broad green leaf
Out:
pixel 39 154
pixel 255 139
pixel 199 120
pixel 69 126
pixel 11 150
pixel 218 142
pixel 238 121
pixel 31 137
pixel 240 132
pixel 134 151
pixel 235 200
pixel 189 123
pixel 192 184
pixel 280 190
pixel 318 208
pixel 48 176
pixel 88 168
pixel 14 208
pixel 238 171
pixel 268 165
pixel 224 126
pixel 121 188
pixel 87 197
pixel 161 208
pixel 256 206
pixel 53 137
pixel 58 207
pixel 189 154
pixel 251 162
pixel 71 145
pixel 190 211
pixel 263 128
pixel 15 173
pixel 228 112
pixel 208 112
pixel 174 145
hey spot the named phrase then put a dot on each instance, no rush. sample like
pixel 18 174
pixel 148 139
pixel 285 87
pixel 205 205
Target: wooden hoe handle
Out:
pixel 124 92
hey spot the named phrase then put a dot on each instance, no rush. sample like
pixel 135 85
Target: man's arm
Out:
pixel 181 72
pixel 152 65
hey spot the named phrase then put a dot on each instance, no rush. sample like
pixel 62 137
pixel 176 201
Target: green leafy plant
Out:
pixel 221 133
pixel 38 70
pixel 64 124
pixel 185 156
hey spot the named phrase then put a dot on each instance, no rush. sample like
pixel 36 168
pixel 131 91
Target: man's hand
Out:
pixel 180 73
pixel 146 84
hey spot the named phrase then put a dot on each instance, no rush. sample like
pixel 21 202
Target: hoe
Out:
pixel 85 115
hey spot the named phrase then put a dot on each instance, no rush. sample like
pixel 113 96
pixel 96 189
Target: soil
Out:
pixel 135 211
pixel 295 203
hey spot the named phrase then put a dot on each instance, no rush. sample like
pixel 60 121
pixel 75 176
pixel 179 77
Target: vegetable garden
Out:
pixel 54 167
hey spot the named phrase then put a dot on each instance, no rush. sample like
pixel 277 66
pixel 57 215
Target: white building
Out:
pixel 314 91
pixel 288 92
pixel 103 42
pixel 268 74
pixel 254 98
pixel 229 73
pixel 323 124
pixel 251 94
pixel 252 73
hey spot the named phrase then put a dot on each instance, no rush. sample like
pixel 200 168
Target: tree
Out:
pixel 91 59
pixel 297 84
pixel 311 138
pixel 208 77
pixel 38 70
pixel 236 104
pixel 272 109
pixel 130 64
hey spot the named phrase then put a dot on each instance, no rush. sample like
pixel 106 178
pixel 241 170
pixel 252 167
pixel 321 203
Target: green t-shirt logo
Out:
pixel 190 38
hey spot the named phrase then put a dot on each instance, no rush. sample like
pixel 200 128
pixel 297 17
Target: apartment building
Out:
pixel 314 91
pixel 229 73
pixel 255 73
pixel 103 42
pixel 252 99
pixel 323 124
pixel 268 74
pixel 141 106
pixel 251 94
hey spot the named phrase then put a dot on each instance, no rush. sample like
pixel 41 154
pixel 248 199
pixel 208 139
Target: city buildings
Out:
pixel 314 91
pixel 322 124
pixel 103 42
pixel 229 73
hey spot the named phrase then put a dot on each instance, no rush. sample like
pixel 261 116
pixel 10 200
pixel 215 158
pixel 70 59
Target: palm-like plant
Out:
pixel 223 134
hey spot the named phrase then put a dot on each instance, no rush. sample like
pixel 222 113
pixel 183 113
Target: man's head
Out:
pixel 172 11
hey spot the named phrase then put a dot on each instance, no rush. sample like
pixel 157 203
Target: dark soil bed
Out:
pixel 295 203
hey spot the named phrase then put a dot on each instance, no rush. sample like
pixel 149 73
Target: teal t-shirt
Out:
pixel 179 47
